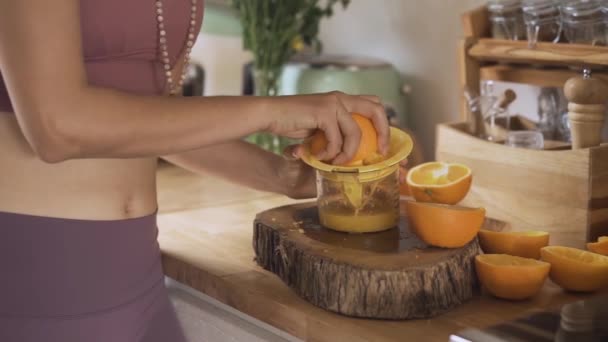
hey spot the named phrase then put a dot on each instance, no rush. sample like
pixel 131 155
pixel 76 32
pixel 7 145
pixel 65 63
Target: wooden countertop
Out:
pixel 205 235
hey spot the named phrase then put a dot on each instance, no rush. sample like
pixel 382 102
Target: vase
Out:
pixel 266 83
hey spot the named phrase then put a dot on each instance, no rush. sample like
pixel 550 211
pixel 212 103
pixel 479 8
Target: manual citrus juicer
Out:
pixel 361 199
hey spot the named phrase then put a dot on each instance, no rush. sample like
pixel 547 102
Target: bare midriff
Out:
pixel 96 189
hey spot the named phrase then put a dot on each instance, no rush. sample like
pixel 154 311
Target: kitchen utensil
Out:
pixel 587 98
pixel 308 74
pixel 499 111
pixel 361 198
pixel 506 99
pixel 478 127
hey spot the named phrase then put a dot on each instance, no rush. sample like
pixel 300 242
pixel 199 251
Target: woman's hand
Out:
pixel 300 116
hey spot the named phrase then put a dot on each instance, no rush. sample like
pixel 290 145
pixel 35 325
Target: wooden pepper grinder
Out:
pixel 587 98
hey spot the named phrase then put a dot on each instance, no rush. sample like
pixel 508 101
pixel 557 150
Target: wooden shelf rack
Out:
pixel 546 64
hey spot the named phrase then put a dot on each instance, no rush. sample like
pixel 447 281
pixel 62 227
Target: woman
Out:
pixel 84 113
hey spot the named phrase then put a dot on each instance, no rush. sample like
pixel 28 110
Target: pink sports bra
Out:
pixel 120 43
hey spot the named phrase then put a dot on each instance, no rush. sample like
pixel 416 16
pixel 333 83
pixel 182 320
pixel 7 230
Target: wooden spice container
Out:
pixel 562 191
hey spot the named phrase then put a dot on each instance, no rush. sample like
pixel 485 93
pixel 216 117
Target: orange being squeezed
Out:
pixel 368 145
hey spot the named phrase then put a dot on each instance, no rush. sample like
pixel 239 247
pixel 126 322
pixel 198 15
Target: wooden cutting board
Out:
pixel 388 275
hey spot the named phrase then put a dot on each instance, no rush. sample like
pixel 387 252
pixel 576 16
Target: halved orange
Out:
pixel 443 225
pixel 526 244
pixel 599 247
pixel 575 269
pixel 439 182
pixel 368 145
pixel 511 277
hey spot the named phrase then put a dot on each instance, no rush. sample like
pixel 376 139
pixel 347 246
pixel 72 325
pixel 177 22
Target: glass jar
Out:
pixel 359 203
pixel 583 22
pixel 564 128
pixel 549 112
pixel 543 21
pixel 506 18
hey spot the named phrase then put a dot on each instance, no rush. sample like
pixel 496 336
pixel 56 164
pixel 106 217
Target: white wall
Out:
pixel 223 59
pixel 420 38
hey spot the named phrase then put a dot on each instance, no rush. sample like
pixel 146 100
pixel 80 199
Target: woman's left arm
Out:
pixel 251 166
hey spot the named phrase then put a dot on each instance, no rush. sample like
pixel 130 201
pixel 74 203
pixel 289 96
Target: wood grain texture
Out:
pixel 544 53
pixel 598 204
pixel 390 275
pixel 531 194
pixel 207 246
pixel 542 190
pixel 541 77
pixel 599 172
pixel 475 23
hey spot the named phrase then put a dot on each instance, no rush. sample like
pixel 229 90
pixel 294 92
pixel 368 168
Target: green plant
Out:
pixel 274 30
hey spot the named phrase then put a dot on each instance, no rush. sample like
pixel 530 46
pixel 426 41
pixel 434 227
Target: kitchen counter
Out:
pixel 205 230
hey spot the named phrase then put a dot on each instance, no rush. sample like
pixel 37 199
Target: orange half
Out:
pixel 443 225
pixel 511 277
pixel 526 244
pixel 575 269
pixel 439 182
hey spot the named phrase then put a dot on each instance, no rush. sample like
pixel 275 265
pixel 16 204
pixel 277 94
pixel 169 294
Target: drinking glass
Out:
pixel 525 139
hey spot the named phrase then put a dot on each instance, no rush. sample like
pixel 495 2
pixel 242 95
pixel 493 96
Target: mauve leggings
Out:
pixel 69 280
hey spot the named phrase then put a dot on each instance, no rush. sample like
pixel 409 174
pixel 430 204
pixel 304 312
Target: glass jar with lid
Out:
pixel 583 22
pixel 543 21
pixel 506 18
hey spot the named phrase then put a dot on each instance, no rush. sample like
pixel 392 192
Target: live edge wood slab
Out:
pixel 389 275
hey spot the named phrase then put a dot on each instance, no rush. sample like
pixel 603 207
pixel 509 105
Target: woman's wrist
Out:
pixel 265 112
pixel 270 110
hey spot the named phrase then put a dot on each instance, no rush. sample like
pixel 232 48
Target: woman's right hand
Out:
pixel 300 116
